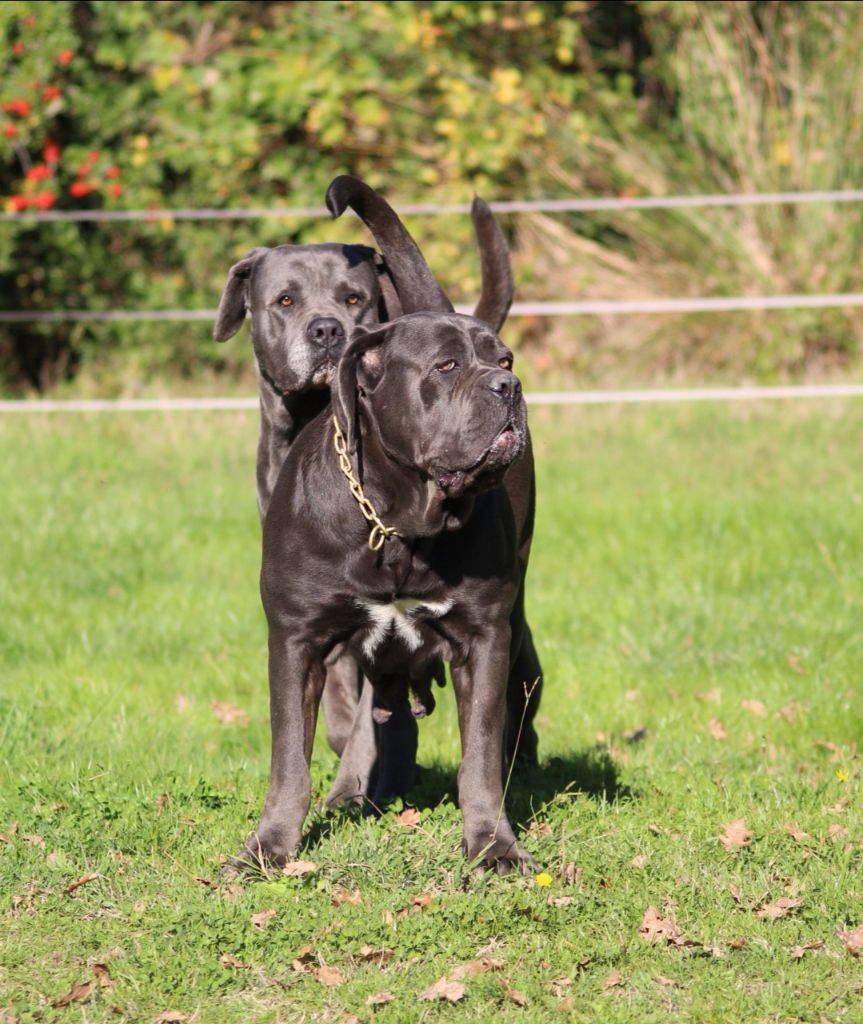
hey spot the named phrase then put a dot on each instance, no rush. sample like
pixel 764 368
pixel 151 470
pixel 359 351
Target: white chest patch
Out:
pixel 400 619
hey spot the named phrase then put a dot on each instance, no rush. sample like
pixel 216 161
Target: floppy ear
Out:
pixel 360 366
pixel 389 307
pixel 232 306
pixel 415 284
pixel 497 284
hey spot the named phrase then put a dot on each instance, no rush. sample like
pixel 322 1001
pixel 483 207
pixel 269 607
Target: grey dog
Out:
pixel 428 427
pixel 303 302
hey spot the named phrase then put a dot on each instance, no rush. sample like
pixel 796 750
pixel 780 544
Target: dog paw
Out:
pixel 499 852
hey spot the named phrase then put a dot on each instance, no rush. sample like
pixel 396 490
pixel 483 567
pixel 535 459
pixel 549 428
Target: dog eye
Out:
pixel 353 300
pixel 446 367
pixel 505 363
pixel 285 300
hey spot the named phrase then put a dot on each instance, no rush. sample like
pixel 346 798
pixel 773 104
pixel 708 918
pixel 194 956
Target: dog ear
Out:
pixel 232 306
pixel 415 284
pixel 389 307
pixel 360 366
pixel 497 283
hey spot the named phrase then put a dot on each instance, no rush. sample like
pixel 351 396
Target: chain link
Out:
pixel 379 533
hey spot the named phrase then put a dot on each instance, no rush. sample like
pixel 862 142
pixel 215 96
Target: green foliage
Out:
pixel 150 105
pixel 706 559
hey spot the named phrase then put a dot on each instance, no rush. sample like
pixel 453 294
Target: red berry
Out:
pixel 19 203
pixel 10 131
pixel 80 188
pixel 51 92
pixel 29 21
pixel 38 172
pixel 17 49
pixel 65 57
pixel 51 152
pixel 115 190
pixel 44 200
pixel 113 172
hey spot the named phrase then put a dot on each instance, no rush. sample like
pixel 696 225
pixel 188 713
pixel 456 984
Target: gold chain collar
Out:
pixel 380 533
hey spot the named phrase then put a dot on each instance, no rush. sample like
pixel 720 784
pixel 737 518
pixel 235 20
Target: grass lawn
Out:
pixel 696 593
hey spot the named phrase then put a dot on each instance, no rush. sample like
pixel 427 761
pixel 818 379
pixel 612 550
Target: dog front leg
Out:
pixel 480 688
pixel 296 681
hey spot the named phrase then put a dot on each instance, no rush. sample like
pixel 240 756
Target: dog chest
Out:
pixel 405 623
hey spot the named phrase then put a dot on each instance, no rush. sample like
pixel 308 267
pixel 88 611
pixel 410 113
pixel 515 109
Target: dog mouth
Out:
pixel 489 469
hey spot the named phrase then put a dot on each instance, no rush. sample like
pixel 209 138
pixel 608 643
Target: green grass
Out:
pixel 680 551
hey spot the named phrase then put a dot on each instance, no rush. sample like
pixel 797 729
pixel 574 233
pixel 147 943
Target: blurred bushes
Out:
pixel 150 105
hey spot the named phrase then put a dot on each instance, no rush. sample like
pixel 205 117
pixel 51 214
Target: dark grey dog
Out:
pixel 429 420
pixel 303 302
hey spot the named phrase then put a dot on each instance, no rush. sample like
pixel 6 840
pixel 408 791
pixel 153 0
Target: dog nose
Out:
pixel 505 385
pixel 325 331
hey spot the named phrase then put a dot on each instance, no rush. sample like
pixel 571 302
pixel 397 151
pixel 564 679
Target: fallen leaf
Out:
pixel 735 892
pixel 139 907
pixel 229 714
pixel 33 840
pixel 171 1017
pixel 797 834
pixel 329 976
pixel 654 829
pixel 853 940
pixel 613 979
pixel 182 703
pixel 709 696
pixel 736 943
pixel 409 817
pixel 736 835
pixel 779 908
pixel 570 874
pixel 259 919
pixel 800 951
pixel 513 994
pixel 83 880
pixel 452 991
pixel 78 993
pixel 161 800
pixel 639 860
pixel 379 956
pixel 717 729
pixel 832 748
pixel 560 901
pixel 636 734
pixel 341 896
pixel 656 928
pixel 795 664
pixel 103 975
pixel 298 868
pixel 229 960
pixel 632 695
pixel 754 707
pixel 474 967
pixel 837 832
pixel 380 999
pixel 791 712
pixel 660 979
pixel 303 959
pixel 421 901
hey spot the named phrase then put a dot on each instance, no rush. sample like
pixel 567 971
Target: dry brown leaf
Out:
pixel 229 960
pixel 171 1017
pixel 298 868
pixel 513 994
pixel 161 800
pixel 656 928
pixel 329 976
pixel 791 712
pixel 560 901
pixel 615 978
pixel 717 729
pixel 736 835
pixel 639 860
pixel 736 943
pixel 660 979
pixel 735 892
pixel 421 902
pixel 33 840
pixel 797 834
pixel 229 714
pixel 182 704
pixel 570 874
pixel 853 939
pixel 800 951
pixel 443 988
pixel 83 880
pixel 832 748
pixel 378 956
pixel 632 695
pixel 473 967
pixel 654 829
pixel 259 919
pixel 712 696
pixel 779 908
pixel 837 832
pixel 103 976
pixel 795 664
pixel 380 999
pixel 754 707
pixel 341 896
pixel 302 961
pixel 78 993
pixel 409 817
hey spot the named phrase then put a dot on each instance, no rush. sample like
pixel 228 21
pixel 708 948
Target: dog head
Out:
pixel 436 395
pixel 304 301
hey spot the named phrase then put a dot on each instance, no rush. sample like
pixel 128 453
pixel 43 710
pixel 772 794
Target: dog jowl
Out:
pixel 433 424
